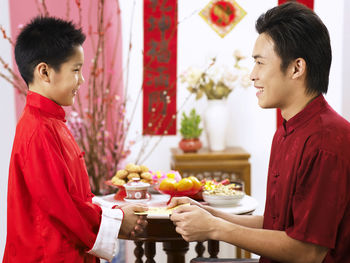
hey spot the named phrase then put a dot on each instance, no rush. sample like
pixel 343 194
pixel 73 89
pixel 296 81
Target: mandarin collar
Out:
pixel 305 115
pixel 44 104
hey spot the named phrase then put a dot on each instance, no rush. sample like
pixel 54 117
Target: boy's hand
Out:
pixel 133 224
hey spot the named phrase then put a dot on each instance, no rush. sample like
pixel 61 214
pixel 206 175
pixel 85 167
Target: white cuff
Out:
pixel 106 243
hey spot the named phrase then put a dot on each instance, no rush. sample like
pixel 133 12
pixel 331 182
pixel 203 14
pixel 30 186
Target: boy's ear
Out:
pixel 42 71
pixel 299 68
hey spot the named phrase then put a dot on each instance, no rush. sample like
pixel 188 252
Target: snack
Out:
pixel 131 171
pixel 122 174
pixel 173 182
pixel 117 181
pixel 133 168
pixel 213 188
pixel 133 175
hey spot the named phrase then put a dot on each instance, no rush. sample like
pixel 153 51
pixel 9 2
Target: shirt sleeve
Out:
pixel 106 245
pixel 53 189
pixel 319 201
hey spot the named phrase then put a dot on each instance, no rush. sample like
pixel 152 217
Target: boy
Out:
pixel 51 217
pixel 307 211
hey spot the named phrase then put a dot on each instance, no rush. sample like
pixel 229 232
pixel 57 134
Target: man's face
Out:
pixel 66 82
pixel 272 84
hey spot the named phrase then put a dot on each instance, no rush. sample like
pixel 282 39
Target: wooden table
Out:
pixel 161 229
pixel 231 163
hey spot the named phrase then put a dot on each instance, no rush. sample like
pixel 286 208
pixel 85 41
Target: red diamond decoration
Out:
pixel 222 15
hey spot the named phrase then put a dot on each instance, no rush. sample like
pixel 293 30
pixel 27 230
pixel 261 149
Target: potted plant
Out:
pixel 190 132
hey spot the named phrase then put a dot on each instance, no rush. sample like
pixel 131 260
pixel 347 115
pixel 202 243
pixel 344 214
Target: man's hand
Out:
pixel 132 224
pixel 175 201
pixel 186 219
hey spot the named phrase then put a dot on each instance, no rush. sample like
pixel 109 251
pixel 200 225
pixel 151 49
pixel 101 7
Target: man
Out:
pixel 307 210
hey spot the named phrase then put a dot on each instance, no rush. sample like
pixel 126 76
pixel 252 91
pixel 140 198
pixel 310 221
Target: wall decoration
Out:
pixel 222 15
pixel 159 62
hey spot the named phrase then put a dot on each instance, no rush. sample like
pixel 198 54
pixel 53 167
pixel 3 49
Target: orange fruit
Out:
pixel 196 183
pixel 184 184
pixel 167 184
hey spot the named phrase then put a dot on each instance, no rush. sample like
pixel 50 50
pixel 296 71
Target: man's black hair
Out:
pixel 297 32
pixel 45 39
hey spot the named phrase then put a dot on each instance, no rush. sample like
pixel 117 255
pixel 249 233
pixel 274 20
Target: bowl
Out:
pixel 136 190
pixel 173 193
pixel 223 200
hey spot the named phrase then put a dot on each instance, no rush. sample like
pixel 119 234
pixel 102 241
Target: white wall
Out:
pixel 7 120
pixel 345 63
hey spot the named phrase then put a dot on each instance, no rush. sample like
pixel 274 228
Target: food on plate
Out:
pixel 133 168
pixel 167 184
pixel 184 184
pixel 117 181
pixel 122 174
pixel 173 184
pixel 146 176
pixel 133 175
pixel 211 187
pixel 131 171
pixel 196 183
pixel 144 169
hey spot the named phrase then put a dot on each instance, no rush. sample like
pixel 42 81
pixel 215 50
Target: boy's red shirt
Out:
pixel 50 214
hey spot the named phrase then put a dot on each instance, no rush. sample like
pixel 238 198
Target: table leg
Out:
pixel 138 251
pixel 200 249
pixel 213 248
pixel 176 250
pixel 150 251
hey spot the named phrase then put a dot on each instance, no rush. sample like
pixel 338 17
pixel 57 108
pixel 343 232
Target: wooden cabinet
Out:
pixel 232 163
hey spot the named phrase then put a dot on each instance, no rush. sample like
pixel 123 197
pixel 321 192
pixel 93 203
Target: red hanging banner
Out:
pixel 159 67
pixel 309 4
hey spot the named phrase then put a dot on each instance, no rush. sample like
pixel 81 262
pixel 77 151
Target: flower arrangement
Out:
pixel 216 82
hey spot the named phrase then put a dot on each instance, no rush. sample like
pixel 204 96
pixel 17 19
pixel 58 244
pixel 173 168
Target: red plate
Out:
pixel 190 193
pixel 121 194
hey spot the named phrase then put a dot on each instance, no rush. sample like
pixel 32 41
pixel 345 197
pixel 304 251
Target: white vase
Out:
pixel 216 124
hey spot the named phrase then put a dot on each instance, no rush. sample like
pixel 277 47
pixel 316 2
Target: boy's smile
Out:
pixel 65 83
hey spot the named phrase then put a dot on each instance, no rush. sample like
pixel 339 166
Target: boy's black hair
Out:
pixel 45 39
pixel 298 32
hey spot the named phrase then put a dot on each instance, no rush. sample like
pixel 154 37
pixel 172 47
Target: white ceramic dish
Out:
pixel 136 200
pixel 223 200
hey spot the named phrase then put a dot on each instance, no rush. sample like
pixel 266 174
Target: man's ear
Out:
pixel 42 71
pixel 299 68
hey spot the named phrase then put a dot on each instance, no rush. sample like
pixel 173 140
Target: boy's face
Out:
pixel 274 88
pixel 66 81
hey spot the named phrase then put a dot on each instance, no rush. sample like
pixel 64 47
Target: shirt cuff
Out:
pixel 106 243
